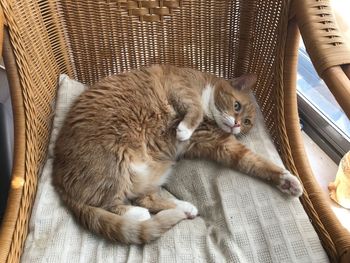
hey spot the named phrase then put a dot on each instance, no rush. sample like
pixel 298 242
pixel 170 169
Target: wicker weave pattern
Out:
pixel 150 10
pixel 204 35
pixel 331 48
pixel 39 60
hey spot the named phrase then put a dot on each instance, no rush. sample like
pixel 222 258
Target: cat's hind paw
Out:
pixel 290 184
pixel 183 133
pixel 138 213
pixel 190 210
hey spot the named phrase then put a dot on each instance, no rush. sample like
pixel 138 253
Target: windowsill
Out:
pixel 325 169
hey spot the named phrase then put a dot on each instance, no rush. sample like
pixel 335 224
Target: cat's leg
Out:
pixel 156 203
pixel 214 144
pixel 188 104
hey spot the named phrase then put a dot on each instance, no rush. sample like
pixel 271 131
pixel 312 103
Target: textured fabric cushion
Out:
pixel 242 219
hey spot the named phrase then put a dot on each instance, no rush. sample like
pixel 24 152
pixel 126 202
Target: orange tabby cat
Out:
pixel 122 136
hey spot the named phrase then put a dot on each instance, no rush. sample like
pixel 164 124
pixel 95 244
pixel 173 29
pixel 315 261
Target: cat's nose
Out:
pixel 229 121
pixel 237 124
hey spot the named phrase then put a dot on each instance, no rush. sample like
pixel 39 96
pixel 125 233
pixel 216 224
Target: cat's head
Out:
pixel 233 108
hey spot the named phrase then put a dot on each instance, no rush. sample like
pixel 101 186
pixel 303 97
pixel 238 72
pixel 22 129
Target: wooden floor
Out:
pixel 325 171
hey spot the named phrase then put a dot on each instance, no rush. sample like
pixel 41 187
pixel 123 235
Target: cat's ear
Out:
pixel 244 82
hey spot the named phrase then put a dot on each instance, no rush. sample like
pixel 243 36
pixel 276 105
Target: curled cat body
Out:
pixel 122 136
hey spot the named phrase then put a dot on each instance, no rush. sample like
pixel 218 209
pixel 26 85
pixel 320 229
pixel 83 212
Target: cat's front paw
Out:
pixel 290 184
pixel 183 133
pixel 190 210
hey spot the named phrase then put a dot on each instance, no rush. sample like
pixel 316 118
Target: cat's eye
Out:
pixel 237 106
pixel 247 122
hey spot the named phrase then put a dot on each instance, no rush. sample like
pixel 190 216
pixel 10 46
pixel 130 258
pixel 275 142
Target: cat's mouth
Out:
pixel 235 129
pixel 227 127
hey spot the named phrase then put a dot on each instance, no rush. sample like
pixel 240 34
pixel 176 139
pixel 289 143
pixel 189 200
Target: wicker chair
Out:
pixel 91 39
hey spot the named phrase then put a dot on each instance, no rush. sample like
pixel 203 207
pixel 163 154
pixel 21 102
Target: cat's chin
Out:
pixel 236 130
pixel 225 128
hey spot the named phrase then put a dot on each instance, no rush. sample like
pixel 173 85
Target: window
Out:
pixel 322 117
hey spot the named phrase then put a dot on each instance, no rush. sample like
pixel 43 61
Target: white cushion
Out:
pixel 242 219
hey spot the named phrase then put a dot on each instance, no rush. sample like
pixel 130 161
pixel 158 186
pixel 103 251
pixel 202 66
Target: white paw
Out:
pixel 190 210
pixel 290 184
pixel 138 213
pixel 182 132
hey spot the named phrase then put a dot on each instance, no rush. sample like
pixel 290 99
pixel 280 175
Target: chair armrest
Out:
pixel 339 84
pixel 326 47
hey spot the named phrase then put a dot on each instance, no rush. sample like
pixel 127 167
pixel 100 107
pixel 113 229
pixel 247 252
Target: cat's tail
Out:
pixel 118 228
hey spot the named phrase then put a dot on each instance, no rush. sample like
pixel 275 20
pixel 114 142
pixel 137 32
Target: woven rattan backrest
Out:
pixel 224 37
pixel 92 39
